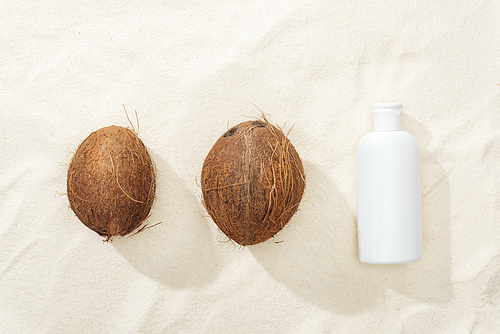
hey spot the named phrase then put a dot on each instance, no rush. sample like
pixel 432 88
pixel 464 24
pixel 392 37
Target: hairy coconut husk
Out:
pixel 252 182
pixel 111 182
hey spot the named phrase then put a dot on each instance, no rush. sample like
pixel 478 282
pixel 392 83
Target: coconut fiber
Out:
pixel 111 182
pixel 252 182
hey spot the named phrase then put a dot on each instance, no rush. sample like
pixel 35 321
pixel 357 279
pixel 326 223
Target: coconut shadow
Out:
pixel 317 255
pixel 180 251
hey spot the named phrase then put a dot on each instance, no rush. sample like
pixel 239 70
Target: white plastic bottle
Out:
pixel 388 188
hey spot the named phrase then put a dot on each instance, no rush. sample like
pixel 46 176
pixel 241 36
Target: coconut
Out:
pixel 252 182
pixel 111 182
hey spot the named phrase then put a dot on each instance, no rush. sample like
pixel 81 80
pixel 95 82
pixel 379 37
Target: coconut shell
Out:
pixel 111 182
pixel 252 182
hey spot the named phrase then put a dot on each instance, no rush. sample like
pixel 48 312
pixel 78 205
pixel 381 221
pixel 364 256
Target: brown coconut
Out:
pixel 111 182
pixel 252 182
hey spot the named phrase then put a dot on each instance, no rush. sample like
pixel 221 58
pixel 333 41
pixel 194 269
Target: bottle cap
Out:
pixel 387 116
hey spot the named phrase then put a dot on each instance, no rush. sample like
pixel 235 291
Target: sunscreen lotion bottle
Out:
pixel 388 190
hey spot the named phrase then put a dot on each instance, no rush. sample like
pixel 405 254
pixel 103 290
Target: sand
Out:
pixel 192 70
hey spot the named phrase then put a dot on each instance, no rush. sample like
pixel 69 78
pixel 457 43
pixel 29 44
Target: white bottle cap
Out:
pixel 387 116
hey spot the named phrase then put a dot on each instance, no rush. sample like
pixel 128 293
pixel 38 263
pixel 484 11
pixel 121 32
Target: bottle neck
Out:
pixel 387 117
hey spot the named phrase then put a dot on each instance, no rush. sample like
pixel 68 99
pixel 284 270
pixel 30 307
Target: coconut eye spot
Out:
pixel 258 124
pixel 230 132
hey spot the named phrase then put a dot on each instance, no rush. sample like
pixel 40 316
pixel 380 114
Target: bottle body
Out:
pixel 389 198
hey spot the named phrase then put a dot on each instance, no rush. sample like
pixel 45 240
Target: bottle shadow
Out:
pixel 316 254
pixel 429 279
pixel 179 251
